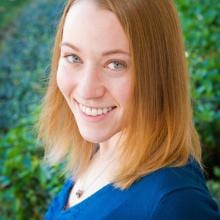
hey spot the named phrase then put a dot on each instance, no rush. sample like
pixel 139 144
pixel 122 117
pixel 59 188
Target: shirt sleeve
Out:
pixel 186 204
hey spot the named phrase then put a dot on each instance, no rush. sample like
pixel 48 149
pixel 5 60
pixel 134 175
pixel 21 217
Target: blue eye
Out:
pixel 72 58
pixel 117 65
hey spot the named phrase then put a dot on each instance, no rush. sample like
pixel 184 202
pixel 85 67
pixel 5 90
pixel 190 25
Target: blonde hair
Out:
pixel 160 131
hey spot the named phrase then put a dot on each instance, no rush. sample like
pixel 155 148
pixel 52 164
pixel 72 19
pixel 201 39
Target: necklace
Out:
pixel 80 191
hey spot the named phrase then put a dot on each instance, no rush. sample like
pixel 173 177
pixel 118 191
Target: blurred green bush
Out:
pixel 9 9
pixel 28 186
pixel 24 62
pixel 201 26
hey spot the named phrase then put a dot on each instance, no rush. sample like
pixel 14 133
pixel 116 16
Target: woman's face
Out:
pixel 94 72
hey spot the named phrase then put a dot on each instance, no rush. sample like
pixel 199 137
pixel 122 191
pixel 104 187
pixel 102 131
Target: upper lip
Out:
pixel 110 106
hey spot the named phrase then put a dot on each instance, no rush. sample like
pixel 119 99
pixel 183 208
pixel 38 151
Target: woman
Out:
pixel 118 110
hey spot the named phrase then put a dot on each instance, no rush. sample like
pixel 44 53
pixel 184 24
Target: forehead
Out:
pixel 88 25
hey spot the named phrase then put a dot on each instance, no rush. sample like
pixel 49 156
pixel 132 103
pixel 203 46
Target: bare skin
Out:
pixel 88 78
pixel 96 177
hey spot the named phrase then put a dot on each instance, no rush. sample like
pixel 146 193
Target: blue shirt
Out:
pixel 170 193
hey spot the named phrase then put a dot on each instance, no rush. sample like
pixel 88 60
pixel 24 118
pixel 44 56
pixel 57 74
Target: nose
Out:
pixel 90 85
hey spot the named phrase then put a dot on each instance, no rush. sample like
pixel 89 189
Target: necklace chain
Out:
pixel 80 191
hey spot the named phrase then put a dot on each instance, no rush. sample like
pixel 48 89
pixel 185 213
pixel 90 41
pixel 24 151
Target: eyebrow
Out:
pixel 106 53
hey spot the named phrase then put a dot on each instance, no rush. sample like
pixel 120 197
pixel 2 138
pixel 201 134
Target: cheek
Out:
pixel 121 91
pixel 125 94
pixel 64 81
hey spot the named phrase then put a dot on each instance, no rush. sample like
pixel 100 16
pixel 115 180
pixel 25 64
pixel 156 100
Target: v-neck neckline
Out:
pixel 86 200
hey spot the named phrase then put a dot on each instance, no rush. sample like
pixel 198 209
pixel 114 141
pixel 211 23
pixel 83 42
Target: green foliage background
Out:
pixel 26 185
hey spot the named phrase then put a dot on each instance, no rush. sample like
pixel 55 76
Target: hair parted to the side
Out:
pixel 160 131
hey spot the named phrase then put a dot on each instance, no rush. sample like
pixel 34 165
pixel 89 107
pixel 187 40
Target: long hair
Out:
pixel 160 131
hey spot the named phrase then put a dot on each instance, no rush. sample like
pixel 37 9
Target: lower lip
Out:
pixel 94 118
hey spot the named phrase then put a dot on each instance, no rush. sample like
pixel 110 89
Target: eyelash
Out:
pixel 71 55
pixel 119 62
pixel 122 63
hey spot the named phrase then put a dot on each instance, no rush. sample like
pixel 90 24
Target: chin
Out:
pixel 96 137
pixel 93 139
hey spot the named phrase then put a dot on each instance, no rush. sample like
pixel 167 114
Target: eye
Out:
pixel 72 58
pixel 117 65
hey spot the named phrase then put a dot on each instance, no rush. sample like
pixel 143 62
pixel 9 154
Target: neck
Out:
pixel 109 148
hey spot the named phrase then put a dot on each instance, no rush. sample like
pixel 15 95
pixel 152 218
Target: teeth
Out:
pixel 99 111
pixel 105 110
pixel 94 111
pixel 88 111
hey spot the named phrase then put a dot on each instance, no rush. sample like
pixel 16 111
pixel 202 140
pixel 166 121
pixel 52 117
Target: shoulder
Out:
pixel 178 193
pixel 173 178
pixel 186 204
pixel 168 179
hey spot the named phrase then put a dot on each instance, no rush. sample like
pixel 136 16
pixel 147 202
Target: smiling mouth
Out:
pixel 94 111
